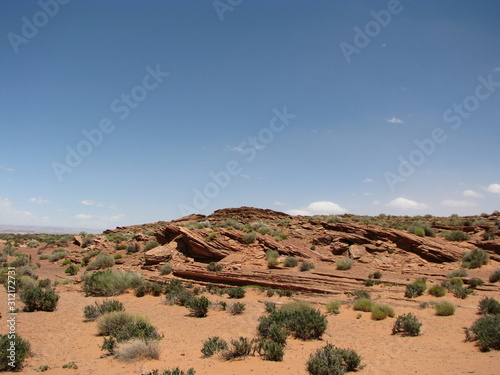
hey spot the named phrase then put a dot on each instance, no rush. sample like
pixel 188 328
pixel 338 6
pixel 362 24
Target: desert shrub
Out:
pixel 363 304
pixel 109 345
pixel 475 282
pixel 344 263
pixel 101 261
pixel 475 258
pixel 306 266
pixel 461 292
pixel 489 306
pixel 175 371
pixel 214 267
pixel 330 360
pixel 36 298
pixel 138 348
pixel 134 248
pixel 444 308
pixel 65 262
pixel 238 292
pixel 495 276
pixel 407 325
pixel 486 331
pixel 290 261
pixel 117 256
pixel 437 290
pixel 71 365
pixel 92 312
pixel 58 254
pixel 166 269
pixel 45 283
pixel 299 319
pixel 180 297
pixel 21 260
pixel 110 282
pixel 284 292
pixel 213 345
pixel 270 306
pixel 239 348
pixel 72 269
pixel 150 245
pixel 333 307
pixel 381 311
pixel 362 294
pixel 237 308
pixel 232 223
pixel 455 235
pixel 198 306
pixel 32 244
pixel 44 256
pixel 124 326
pixel 273 351
pixel 211 236
pixel 415 289
pixel 249 238
pixel 377 275
pixel 461 272
pixel 22 350
pixel 270 292
pixel 488 236
pixel 272 258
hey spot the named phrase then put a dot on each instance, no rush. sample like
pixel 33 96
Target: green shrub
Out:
pixel 249 238
pixel 36 298
pixel 71 365
pixel 110 282
pixel 332 361
pixel 306 266
pixel 381 311
pixel 238 292
pixel 333 307
pixel 377 275
pixel 290 261
pixel 363 304
pixel 495 276
pixel 44 256
pixel 461 272
pixel 124 326
pixel 486 331
pixel 72 269
pixel 150 245
pixel 198 306
pixel 299 319
pixel 134 248
pixel 20 261
pixel 273 351
pixel 270 306
pixel 214 267
pixel 407 325
pixel 272 258
pixel 92 312
pixel 362 294
pixel 175 371
pixel 344 263
pixel 166 269
pixel 437 291
pixel 213 345
pixel 475 258
pixel 444 308
pixel 489 306
pixel 58 254
pixel 232 223
pixel 65 262
pixel 237 308
pixel 461 292
pixel 415 289
pixel 475 282
pixel 101 261
pixel 239 348
pixel 117 256
pixel 455 235
pixel 22 350
pixel 284 292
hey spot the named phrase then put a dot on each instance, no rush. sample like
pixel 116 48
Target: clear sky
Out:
pixel 127 112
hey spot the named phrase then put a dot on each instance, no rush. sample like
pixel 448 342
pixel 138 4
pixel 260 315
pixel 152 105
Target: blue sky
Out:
pixel 307 107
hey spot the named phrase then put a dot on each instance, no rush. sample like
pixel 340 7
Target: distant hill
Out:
pixel 23 229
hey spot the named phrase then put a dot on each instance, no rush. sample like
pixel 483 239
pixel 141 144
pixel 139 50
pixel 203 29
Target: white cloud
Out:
pixel 376 202
pixel 394 120
pixel 454 203
pixel 11 215
pixel 90 202
pixel 39 201
pixel 472 194
pixel 367 194
pixel 368 180
pixel 82 217
pixel 113 217
pixel 319 208
pixel 406 204
pixel 3 168
pixel 280 204
pixel 493 188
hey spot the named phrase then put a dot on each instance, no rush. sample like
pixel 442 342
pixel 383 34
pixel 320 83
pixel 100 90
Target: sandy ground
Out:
pixel 63 336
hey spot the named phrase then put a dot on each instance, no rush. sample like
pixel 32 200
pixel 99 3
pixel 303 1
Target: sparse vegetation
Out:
pixel 333 307
pixel 489 306
pixel 214 267
pixel 213 345
pixel 475 282
pixel 344 263
pixel 238 292
pixel 150 245
pixel 272 258
pixel 306 266
pixel 72 269
pixel 110 283
pixel 407 325
pixel 198 306
pixel 363 304
pixel 166 269
pixel 455 235
pixel 36 298
pixel 381 311
pixel 22 350
pixel 437 291
pixel 330 360
pixel 486 331
pixel 236 308
pixel 290 261
pixel 249 238
pixel 124 326
pixel 475 258
pixel 461 272
pixel 415 289
pixel 92 312
pixel 444 308
pixel 102 260
pixel 138 348
pixel 495 276
pixel 239 348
